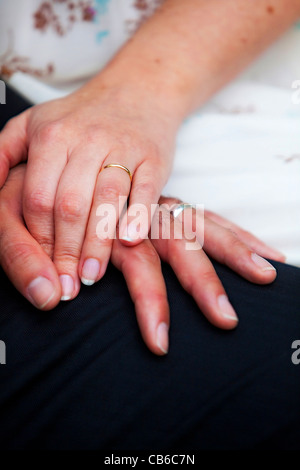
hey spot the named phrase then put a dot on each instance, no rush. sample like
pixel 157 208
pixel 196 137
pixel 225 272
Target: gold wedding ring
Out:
pixel 116 165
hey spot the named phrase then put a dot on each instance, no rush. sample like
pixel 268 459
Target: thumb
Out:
pixel 26 264
pixel 13 144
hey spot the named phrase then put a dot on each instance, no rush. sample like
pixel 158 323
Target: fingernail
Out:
pixel 133 232
pixel 124 235
pixel 130 233
pixel 90 271
pixel 41 291
pixel 67 286
pixel 162 337
pixel 126 239
pixel 226 308
pixel 262 263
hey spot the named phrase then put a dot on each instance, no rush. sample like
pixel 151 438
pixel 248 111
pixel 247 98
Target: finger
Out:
pixel 110 196
pixel 13 144
pixel 44 168
pixel 147 184
pixel 225 246
pixel 72 207
pixel 140 266
pixel 248 238
pixel 198 277
pixel 24 261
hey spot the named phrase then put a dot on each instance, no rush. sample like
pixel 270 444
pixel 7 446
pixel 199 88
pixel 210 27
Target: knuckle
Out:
pixel 232 234
pixel 234 241
pixel 92 238
pixel 48 247
pixel 71 207
pixel 148 147
pixel 190 283
pixel 46 241
pixel 94 134
pixel 50 132
pixel 67 255
pixel 109 192
pixel 246 234
pixel 15 252
pixel 143 256
pixel 232 247
pixel 38 201
pixel 209 277
pixel 146 255
pixel 231 240
pixel 102 240
pixel 98 238
pixel 157 298
pixel 147 187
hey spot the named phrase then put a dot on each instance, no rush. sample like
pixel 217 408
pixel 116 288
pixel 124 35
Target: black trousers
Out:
pixel 80 376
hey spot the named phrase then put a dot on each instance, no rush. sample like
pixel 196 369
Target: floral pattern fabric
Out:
pixel 85 32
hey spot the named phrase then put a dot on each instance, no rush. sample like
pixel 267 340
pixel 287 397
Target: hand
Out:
pixel 221 240
pixel 34 274
pixel 68 141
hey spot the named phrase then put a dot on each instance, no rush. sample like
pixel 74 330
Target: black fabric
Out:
pixel 15 104
pixel 80 376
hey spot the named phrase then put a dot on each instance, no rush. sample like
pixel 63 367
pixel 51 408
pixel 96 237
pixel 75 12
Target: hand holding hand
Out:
pixel 67 143
pixel 33 273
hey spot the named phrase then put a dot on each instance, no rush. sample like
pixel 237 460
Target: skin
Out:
pixel 129 113
pixel 26 263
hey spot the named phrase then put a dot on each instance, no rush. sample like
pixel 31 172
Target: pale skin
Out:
pixel 130 114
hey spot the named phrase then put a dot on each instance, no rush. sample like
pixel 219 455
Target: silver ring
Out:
pixel 181 207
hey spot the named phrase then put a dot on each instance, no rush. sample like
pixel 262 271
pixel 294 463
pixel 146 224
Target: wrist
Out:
pixel 142 86
pixel 132 102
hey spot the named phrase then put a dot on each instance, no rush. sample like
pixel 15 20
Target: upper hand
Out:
pixel 68 142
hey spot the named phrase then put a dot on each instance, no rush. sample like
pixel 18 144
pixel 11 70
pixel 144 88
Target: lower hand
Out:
pixel 33 273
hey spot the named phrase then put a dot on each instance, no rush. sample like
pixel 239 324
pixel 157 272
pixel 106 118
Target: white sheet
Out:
pixel 245 166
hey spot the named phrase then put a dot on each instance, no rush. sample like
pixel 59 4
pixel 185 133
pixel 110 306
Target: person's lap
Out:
pixel 80 376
